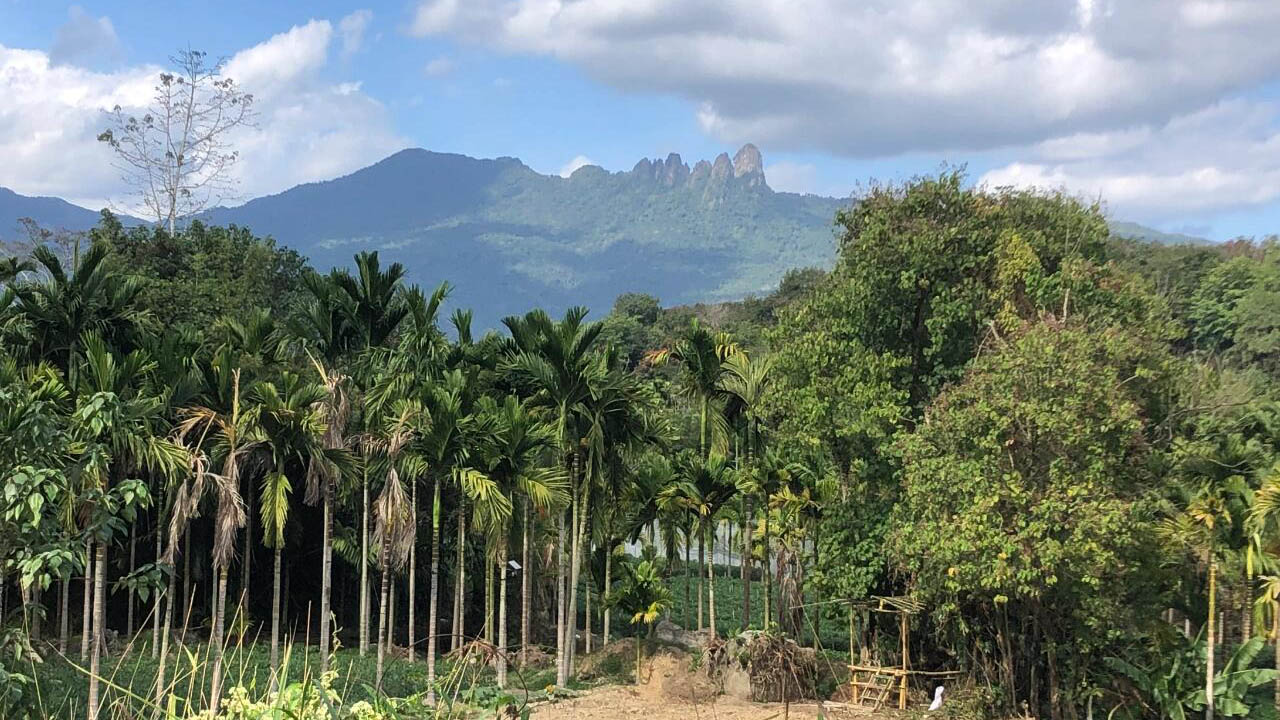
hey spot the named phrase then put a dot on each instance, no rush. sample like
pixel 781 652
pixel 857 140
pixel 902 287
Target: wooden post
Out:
pixel 906 662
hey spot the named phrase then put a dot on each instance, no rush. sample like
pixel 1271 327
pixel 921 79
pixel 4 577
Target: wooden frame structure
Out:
pixel 875 683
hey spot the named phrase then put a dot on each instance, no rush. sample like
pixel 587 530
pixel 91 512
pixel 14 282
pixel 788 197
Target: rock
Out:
pixel 747 161
pixel 722 168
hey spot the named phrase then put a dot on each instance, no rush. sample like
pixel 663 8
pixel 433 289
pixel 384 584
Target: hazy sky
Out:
pixel 1167 109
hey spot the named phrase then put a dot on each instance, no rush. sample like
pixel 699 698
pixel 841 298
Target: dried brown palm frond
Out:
pixel 335 411
pixel 186 501
pixel 230 515
pixel 393 522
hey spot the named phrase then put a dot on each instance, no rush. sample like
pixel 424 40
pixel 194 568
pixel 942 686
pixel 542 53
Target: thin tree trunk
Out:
pixel 435 593
pixel 99 625
pixel 502 613
pixel 1209 645
pixel 579 539
pixel 186 579
pixel 688 581
pixel 382 612
pixel 413 575
pixel 562 562
pixel 391 614
pixel 526 602
pixel 326 575
pixel 217 641
pixel 243 603
pixel 586 589
pixel 460 584
pixel 275 621
pixel 63 610
pixel 711 584
pixel 702 567
pixel 746 561
pixel 1275 644
pixel 128 594
pixel 171 598
pixel 488 599
pixel 768 568
pixel 158 607
pixel 86 620
pixel 608 579
pixel 364 567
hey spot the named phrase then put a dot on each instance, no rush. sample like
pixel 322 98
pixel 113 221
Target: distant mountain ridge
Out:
pixel 509 238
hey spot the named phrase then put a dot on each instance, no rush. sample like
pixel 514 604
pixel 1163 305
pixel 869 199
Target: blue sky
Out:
pixel 1167 110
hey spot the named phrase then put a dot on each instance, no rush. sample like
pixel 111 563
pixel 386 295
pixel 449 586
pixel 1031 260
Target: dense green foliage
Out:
pixel 1061 444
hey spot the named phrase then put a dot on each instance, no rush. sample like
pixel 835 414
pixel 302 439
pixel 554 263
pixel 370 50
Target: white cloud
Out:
pixel 438 66
pixel 352 28
pixel 794 177
pixel 1226 156
pixel 577 162
pixel 85 40
pixel 885 77
pixel 308 127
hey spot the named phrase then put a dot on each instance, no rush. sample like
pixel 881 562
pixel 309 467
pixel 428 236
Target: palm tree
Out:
pixel 395 524
pixel 1200 527
pixel 1264 522
pixel 64 307
pixel 703 487
pixel 555 358
pixel 748 382
pixel 120 422
pixel 328 335
pixel 291 422
pixel 643 597
pixel 514 460
pixel 377 305
pixel 226 429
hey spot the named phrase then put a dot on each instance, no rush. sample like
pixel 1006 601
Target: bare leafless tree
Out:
pixel 177 156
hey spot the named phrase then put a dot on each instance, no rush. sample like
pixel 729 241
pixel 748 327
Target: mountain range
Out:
pixel 509 238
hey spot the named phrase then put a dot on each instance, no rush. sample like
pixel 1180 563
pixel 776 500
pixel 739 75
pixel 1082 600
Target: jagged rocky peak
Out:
pixel 722 168
pixel 746 165
pixel 747 161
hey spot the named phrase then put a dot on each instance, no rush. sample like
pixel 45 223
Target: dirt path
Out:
pixel 631 702
pixel 673 692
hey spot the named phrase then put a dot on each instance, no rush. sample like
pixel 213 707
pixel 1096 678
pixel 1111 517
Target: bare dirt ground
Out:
pixel 673 691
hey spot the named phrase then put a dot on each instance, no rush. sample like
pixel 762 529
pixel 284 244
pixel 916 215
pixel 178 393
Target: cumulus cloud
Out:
pixel 577 162
pixel 885 77
pixel 85 40
pixel 307 128
pixel 1226 156
pixel 1080 87
pixel 438 66
pixel 794 177
pixel 352 27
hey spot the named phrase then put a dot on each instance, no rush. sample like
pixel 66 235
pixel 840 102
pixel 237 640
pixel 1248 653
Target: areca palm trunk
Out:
pixel 157 608
pixel 608 578
pixel 128 594
pixel 63 609
pixel 216 642
pixel 172 597
pixel 1209 637
pixel 99 625
pixel 435 593
pixel 364 566
pixel 526 602
pixel 86 621
pixel 561 605
pixel 382 609
pixel 768 568
pixel 326 575
pixel 275 620
pixel 702 566
pixel 688 581
pixel 580 525
pixel 711 582
pixel 502 612
pixel 460 586
pixel 488 600
pixel 413 571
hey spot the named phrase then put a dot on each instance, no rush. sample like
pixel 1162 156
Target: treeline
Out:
pixel 1060 443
